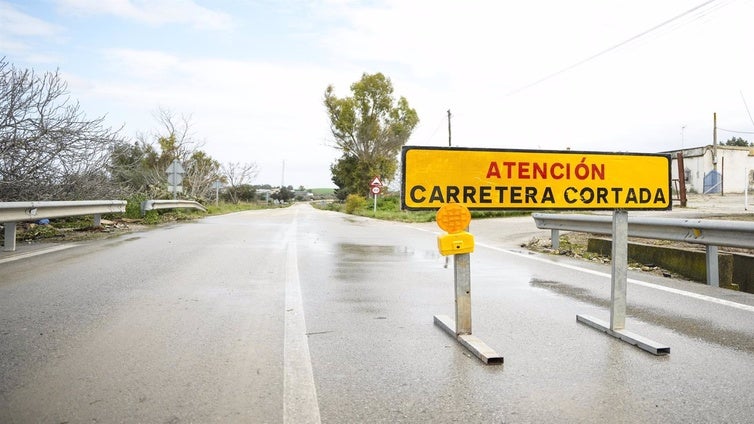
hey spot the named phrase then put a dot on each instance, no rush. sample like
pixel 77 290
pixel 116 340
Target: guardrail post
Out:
pixel 555 239
pixel 97 219
pixel 10 237
pixel 713 270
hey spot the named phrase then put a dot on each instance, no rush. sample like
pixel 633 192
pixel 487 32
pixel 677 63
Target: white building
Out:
pixel 715 169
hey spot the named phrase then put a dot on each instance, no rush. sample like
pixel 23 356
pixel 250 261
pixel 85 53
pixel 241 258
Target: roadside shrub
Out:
pixel 354 202
pixel 390 202
pixel 151 217
pixel 133 205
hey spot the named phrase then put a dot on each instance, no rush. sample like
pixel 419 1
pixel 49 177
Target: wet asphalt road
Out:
pixel 297 315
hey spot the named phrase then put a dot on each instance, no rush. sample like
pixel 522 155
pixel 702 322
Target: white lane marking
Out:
pixel 19 256
pixel 299 392
pixel 692 295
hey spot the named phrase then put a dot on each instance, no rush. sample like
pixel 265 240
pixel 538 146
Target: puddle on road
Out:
pixel 361 253
pixel 691 327
pixel 375 253
pixel 362 275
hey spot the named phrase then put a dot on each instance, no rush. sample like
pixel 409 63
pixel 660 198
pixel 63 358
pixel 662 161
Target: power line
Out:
pixel 746 106
pixel 614 47
pixel 439 124
pixel 736 132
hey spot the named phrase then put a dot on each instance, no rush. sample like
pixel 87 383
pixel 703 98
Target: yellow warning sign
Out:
pixel 533 179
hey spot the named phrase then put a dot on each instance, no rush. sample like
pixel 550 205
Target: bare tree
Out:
pixel 152 154
pixel 48 148
pixel 179 127
pixel 201 172
pixel 238 174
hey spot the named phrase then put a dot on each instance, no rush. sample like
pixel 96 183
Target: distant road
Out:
pixel 297 315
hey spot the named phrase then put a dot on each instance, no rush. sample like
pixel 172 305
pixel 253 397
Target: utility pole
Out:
pixel 714 141
pixel 449 143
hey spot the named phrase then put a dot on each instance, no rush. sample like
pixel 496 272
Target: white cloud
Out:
pixel 153 12
pixel 469 56
pixel 246 111
pixel 141 64
pixel 20 34
pixel 16 23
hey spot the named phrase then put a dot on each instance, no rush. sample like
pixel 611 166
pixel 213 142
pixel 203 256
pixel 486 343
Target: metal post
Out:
pixel 713 271
pixel 462 269
pixel 681 179
pixel 97 219
pixel 616 326
pixel 555 239
pixel 375 203
pixel 746 190
pixel 10 237
pixel 619 270
pixel 461 328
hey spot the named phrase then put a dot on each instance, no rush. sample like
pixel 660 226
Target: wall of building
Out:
pixel 732 162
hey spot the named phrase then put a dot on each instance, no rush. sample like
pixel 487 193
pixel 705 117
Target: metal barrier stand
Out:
pixel 461 327
pixel 619 280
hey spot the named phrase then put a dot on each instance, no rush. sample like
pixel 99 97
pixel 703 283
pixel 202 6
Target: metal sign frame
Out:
pixel 461 328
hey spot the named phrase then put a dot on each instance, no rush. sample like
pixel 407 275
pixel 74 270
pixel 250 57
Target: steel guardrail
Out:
pixel 711 233
pixel 698 231
pixel 149 205
pixel 13 212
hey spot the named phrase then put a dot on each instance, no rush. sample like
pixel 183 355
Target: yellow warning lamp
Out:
pixel 454 218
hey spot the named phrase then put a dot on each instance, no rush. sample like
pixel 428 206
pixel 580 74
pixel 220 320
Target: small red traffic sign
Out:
pixel 376 190
pixel 376 182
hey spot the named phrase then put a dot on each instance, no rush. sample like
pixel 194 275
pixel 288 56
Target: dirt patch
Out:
pixel 27 232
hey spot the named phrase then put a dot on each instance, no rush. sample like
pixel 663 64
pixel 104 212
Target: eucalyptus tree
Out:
pixel 369 128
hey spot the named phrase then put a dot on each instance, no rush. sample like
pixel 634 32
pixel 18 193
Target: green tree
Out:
pixel 369 128
pixel 284 194
pixel 240 193
pixel 737 141
pixel 353 176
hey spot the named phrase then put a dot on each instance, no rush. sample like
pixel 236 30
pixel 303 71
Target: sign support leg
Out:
pixel 620 271
pixel 617 324
pixel 462 271
pixel 461 328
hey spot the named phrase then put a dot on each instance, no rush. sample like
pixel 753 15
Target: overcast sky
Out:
pixel 619 75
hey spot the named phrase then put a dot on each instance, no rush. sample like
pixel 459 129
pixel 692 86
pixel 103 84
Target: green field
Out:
pixel 322 191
